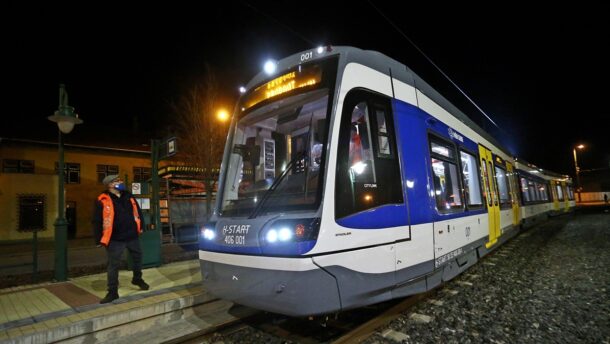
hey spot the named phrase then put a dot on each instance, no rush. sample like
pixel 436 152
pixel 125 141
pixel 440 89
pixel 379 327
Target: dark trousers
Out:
pixel 115 251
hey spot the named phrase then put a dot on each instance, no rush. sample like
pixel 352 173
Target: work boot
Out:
pixel 140 283
pixel 111 296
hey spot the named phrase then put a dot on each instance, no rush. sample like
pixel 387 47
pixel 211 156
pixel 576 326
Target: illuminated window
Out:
pixel 447 191
pixel 470 176
pixel 502 184
pixel 368 173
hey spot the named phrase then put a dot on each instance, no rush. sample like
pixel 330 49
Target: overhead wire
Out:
pixel 432 63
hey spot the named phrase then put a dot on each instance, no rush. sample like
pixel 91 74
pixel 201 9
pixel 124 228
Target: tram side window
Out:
pixel 570 193
pixel 445 174
pixel 542 189
pixel 525 191
pixel 531 189
pixel 472 186
pixel 502 183
pixel 368 172
pixel 559 192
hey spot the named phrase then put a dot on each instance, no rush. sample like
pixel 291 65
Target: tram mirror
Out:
pixel 290 116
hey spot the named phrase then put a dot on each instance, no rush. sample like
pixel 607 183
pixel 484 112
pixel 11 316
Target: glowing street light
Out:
pixel 578 187
pixel 222 115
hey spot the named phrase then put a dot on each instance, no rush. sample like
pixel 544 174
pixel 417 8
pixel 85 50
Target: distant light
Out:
pixel 270 67
pixel 580 146
pixel 358 167
pixel 242 89
pixel 222 115
pixel 320 49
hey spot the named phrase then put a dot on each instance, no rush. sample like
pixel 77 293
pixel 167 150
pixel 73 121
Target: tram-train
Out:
pixel 347 180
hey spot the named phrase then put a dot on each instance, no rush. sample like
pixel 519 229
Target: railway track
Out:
pixel 347 327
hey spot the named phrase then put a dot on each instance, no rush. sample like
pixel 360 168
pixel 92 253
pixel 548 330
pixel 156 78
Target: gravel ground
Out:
pixel 548 285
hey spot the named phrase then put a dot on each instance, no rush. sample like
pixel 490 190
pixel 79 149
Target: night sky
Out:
pixel 542 75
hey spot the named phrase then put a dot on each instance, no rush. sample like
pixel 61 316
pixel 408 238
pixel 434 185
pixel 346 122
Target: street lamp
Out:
pixel 222 115
pixel 578 187
pixel 65 119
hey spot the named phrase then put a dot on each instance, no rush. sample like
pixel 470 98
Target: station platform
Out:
pixel 70 311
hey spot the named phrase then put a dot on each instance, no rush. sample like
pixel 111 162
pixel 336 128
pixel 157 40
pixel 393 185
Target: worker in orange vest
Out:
pixel 117 222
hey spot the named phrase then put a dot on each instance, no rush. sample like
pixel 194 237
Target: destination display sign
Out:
pixel 303 77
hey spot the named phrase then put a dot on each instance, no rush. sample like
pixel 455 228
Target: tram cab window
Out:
pixel 368 173
pixel 447 190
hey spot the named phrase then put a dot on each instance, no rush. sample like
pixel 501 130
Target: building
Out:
pixel 29 184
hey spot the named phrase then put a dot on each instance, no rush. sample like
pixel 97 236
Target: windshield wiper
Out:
pixel 277 181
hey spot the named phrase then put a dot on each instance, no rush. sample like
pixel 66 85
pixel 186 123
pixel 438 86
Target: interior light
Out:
pixel 359 167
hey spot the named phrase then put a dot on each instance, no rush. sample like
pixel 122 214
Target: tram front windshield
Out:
pixel 279 144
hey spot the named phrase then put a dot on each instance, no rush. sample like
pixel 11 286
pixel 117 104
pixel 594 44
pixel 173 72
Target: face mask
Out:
pixel 120 187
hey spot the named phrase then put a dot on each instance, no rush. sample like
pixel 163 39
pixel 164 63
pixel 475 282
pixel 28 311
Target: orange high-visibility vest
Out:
pixel 108 217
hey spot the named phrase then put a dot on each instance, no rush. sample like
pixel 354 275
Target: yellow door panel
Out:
pixel 491 196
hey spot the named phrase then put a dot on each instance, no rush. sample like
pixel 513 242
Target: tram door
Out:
pixel 566 198
pixel 555 196
pixel 491 196
pixel 513 194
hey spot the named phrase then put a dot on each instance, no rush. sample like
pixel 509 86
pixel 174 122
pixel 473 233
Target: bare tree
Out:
pixel 201 136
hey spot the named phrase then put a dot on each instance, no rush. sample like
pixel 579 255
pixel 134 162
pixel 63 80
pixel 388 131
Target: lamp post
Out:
pixel 65 119
pixel 578 187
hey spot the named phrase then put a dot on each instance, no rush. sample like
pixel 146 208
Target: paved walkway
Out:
pixel 47 312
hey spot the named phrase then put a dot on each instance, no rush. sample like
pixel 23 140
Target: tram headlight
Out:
pixel 285 234
pixel 292 230
pixel 208 232
pixel 271 236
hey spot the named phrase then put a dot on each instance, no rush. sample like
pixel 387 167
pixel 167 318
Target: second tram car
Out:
pixel 347 180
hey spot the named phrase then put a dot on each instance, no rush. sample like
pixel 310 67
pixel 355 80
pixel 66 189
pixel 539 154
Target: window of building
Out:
pixel 71 172
pixel 470 176
pixel 31 213
pixel 141 174
pixel 368 173
pixel 17 166
pixel 106 170
pixel 445 174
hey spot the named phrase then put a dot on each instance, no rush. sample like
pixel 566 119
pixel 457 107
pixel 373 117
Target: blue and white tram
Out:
pixel 346 181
